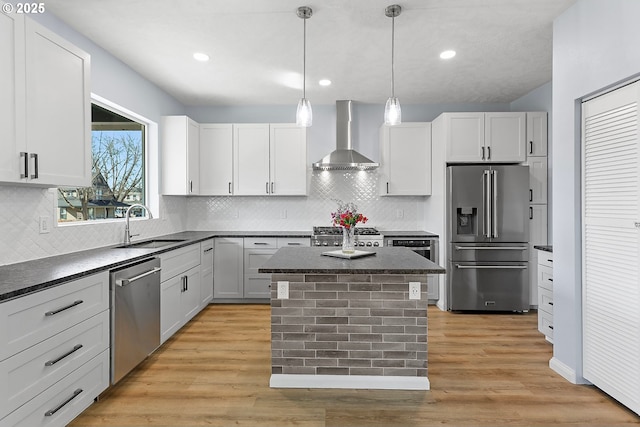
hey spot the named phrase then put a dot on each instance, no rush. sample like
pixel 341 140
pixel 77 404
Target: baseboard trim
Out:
pixel 349 381
pixel 563 370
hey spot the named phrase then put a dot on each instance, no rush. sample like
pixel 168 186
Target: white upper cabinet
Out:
pixel 464 136
pixel 251 159
pixel 288 160
pixel 405 153
pixel 45 106
pixel 269 160
pixel 504 137
pixel 180 155
pixel 12 98
pixel 485 137
pixel 536 133
pixel 216 159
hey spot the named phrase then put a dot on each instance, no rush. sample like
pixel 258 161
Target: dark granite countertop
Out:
pixel 546 248
pixel 394 260
pixel 31 276
pixel 407 233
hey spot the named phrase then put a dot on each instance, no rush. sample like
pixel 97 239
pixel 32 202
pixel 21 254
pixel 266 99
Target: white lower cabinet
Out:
pixel 206 272
pixel 236 264
pixel 65 400
pixel 54 352
pixel 180 289
pixel 227 268
pixel 256 252
pixel 545 294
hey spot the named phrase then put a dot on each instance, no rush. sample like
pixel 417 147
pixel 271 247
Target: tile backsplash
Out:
pixel 302 213
pixel 21 240
pixel 22 208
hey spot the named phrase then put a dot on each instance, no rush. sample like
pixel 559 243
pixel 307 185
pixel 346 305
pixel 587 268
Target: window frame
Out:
pixel 151 169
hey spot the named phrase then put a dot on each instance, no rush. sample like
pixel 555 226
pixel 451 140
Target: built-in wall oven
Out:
pixel 424 246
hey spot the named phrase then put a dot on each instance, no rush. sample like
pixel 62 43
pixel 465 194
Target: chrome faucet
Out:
pixel 127 235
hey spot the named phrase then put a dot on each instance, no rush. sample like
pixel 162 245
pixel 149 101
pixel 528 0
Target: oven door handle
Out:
pixel 485 267
pixel 493 248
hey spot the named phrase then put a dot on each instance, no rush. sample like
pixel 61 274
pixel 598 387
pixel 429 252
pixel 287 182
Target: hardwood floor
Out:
pixel 485 370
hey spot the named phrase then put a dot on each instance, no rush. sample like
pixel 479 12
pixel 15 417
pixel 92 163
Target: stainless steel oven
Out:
pixel 424 246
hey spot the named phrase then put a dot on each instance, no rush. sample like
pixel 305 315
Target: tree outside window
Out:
pixel 118 171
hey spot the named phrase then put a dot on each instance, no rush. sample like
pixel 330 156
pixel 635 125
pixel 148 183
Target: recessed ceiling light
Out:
pixel 202 57
pixel 324 82
pixel 448 54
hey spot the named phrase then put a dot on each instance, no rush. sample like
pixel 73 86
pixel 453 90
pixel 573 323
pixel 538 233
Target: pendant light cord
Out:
pixel 304 59
pixel 393 32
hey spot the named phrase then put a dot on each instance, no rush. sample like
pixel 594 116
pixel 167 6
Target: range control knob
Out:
pixel 361 244
pixel 376 244
pixel 316 243
pixel 325 244
pixel 369 244
pixel 336 243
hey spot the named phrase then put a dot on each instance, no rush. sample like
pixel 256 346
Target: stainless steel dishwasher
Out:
pixel 135 315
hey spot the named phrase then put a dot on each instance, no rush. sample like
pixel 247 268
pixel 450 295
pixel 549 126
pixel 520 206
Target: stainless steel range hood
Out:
pixel 344 157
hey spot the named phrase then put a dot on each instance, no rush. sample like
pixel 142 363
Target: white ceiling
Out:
pixel 504 47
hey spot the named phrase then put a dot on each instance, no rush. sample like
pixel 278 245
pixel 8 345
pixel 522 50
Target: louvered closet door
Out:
pixel 611 291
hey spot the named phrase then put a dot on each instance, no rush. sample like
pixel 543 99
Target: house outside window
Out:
pixel 118 171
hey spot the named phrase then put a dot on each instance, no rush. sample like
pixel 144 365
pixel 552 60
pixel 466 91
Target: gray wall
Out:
pixel 594 46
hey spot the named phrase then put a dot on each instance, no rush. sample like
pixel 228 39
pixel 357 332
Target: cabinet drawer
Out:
pixel 284 242
pixel 545 324
pixel 31 319
pixel 28 373
pixel 70 396
pixel 178 261
pixel 545 258
pixel 260 242
pixel 545 300
pixel 545 277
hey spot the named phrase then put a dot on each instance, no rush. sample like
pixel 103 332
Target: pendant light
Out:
pixel 392 112
pixel 304 115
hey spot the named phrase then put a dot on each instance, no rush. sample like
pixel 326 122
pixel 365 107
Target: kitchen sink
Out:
pixel 156 243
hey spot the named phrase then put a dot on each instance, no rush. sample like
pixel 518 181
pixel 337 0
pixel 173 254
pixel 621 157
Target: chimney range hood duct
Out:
pixel 344 157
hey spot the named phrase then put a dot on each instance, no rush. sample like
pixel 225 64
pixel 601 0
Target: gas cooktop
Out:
pixel 332 236
pixel 330 231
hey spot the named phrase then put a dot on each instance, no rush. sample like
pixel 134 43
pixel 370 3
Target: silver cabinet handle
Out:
pixel 68 353
pixel 387 187
pixel 294 244
pixel 208 250
pixel 229 188
pixel 530 212
pixel 272 188
pixel 25 155
pixel 482 153
pixel 486 267
pixel 260 243
pixel 34 156
pixel 67 307
pixel 190 186
pixel 125 282
pixel 494 248
pixel 50 412
pixel 267 187
pixel 488 153
pixel 530 147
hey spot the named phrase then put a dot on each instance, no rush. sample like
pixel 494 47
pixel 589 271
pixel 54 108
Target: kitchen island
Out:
pixel 349 323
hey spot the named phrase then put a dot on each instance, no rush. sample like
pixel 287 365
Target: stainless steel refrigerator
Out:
pixel 488 236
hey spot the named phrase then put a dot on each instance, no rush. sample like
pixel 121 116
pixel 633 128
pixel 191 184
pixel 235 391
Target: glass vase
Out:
pixel 348 240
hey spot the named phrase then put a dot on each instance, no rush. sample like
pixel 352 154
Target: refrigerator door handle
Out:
pixel 484 267
pixel 494 208
pixel 486 204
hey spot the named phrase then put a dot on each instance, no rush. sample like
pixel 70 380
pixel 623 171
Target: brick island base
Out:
pixel 349 331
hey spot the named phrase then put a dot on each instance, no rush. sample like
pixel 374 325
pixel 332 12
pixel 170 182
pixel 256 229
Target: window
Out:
pixel 118 146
